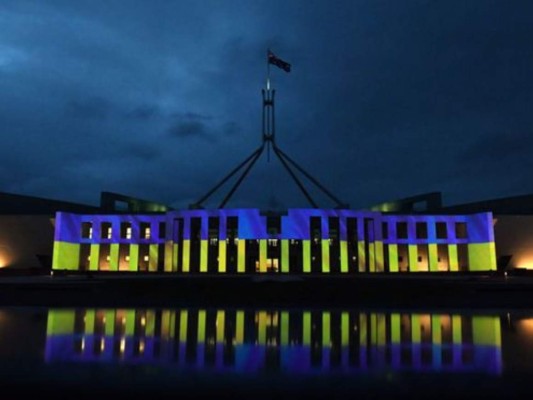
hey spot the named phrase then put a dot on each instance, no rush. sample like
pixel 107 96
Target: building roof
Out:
pixel 16 204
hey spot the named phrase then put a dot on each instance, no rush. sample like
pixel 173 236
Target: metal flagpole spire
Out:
pixel 268 140
pixel 268 111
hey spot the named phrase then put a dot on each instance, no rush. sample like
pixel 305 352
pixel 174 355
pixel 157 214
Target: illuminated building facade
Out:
pixel 300 241
pixel 289 341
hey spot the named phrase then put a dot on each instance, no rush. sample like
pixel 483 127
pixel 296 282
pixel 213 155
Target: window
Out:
pixel 442 232
pixel 460 230
pixel 106 230
pixel 125 230
pixel 121 206
pixel 145 230
pixel 86 230
pixel 401 230
pixel 385 230
pixel 213 228
pixel 273 225
pixel 316 229
pixel 162 230
pixel 421 230
pixel 333 226
pixel 232 229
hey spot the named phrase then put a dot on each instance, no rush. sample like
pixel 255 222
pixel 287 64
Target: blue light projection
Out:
pixel 288 341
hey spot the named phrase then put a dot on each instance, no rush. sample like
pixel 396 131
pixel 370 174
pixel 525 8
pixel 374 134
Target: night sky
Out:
pixel 160 99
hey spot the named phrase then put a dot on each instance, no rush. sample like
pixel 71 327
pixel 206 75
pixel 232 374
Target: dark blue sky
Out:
pixel 159 99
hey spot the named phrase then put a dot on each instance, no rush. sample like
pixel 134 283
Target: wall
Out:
pixel 23 238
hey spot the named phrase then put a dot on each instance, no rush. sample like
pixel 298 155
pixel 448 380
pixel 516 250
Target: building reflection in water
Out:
pixel 287 341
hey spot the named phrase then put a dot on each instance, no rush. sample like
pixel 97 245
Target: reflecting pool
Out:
pixel 268 352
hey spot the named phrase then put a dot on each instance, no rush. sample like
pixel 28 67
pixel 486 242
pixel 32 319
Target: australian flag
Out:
pixel 278 62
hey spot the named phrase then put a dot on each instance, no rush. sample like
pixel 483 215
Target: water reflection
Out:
pixel 288 341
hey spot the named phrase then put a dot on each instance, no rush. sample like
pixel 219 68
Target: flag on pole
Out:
pixel 278 62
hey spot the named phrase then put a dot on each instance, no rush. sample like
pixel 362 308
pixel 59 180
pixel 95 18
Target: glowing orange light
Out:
pixel 5 257
pixel 526 325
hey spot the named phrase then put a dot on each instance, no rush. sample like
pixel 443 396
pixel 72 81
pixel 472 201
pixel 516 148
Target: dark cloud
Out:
pixel 144 112
pixel 499 147
pixel 91 108
pixel 143 151
pixel 231 128
pixel 385 99
pixel 193 125
pixel 192 116
pixel 188 128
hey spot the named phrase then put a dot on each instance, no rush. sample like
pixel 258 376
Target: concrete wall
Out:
pixel 514 237
pixel 25 237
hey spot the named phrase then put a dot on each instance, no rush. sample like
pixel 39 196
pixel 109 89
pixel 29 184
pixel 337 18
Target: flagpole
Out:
pixel 268 71
pixel 268 97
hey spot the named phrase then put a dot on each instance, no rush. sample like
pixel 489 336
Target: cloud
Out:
pixel 143 151
pixel 231 128
pixel 89 108
pixel 143 112
pixel 385 99
pixel 499 147
pixel 188 129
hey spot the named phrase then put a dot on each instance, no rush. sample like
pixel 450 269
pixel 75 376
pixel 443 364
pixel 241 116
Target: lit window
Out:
pixel 125 230
pixel 146 258
pixel 106 230
pixel 145 230
pixel 86 230
pixel 107 258
pixel 127 258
